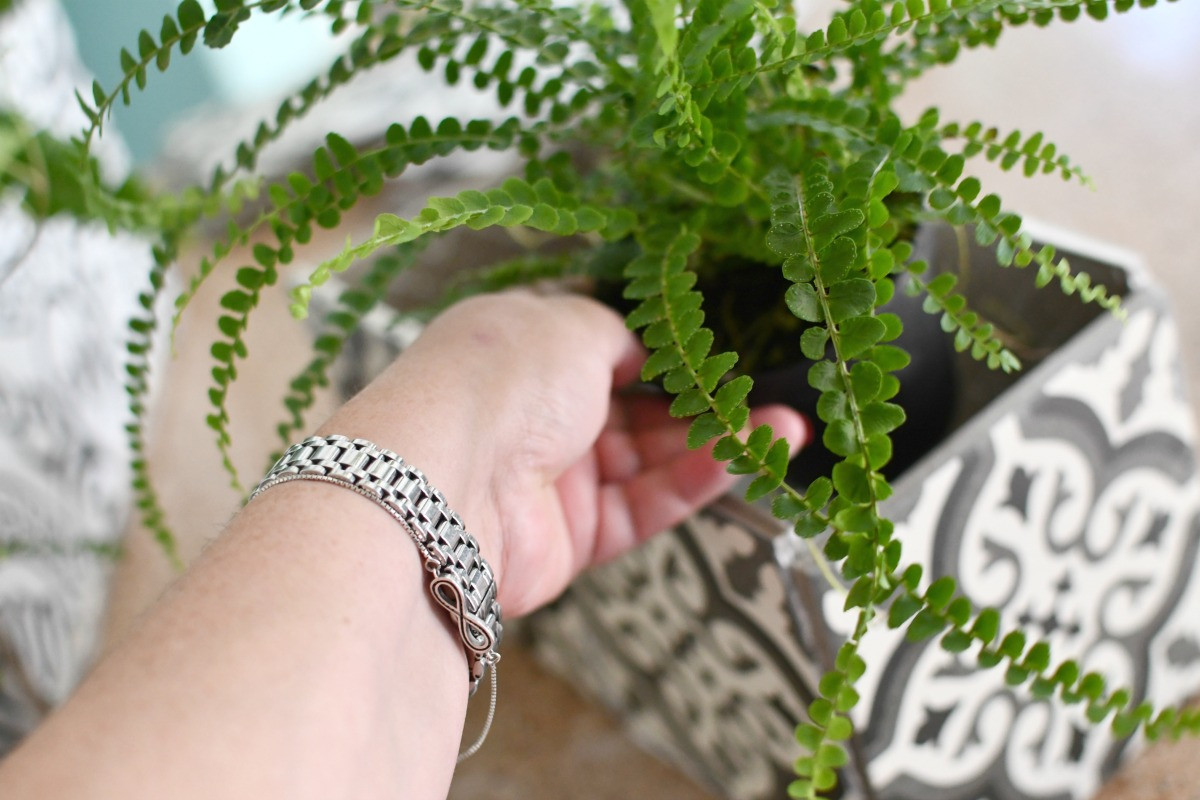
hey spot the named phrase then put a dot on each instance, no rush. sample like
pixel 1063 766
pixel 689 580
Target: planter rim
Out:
pixel 791 551
pixel 1140 288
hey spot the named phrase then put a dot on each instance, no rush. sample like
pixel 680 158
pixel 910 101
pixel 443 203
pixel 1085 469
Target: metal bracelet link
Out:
pixel 462 582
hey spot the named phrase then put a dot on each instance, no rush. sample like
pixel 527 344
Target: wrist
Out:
pixel 348 562
pixel 461 580
pixel 448 440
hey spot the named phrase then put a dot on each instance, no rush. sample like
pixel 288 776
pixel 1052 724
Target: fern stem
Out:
pixel 137 368
pixel 353 305
pixel 279 212
pixel 856 414
pixel 731 430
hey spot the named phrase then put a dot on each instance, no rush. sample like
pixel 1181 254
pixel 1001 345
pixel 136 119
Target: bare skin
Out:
pixel 301 657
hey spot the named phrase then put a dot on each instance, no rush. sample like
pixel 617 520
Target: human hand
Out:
pixel 507 402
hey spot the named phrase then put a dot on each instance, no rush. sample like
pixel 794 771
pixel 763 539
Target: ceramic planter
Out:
pixel 1067 498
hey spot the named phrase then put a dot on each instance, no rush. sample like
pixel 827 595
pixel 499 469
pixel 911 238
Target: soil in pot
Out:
pixel 748 313
pixel 746 310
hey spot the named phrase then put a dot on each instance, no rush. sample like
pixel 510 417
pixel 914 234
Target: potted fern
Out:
pixel 674 146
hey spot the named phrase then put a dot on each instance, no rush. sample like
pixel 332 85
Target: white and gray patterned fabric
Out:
pixel 66 292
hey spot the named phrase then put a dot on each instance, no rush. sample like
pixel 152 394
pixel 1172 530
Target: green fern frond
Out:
pixel 680 345
pixel 9 548
pixel 181 31
pixel 830 290
pixel 935 42
pixel 940 38
pixel 1050 267
pixel 714 42
pixel 951 196
pixel 227 350
pixel 680 354
pixel 539 206
pixel 343 174
pixel 519 30
pixel 1032 153
pixel 828 725
pixel 137 384
pixel 352 305
pixel 594 26
pixel 955 202
pixel 940 611
pixel 376 45
pixel 836 284
pixel 848 30
pixel 971 333
pixel 866 22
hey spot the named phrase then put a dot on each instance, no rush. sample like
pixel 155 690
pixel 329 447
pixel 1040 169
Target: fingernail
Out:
pixel 806 433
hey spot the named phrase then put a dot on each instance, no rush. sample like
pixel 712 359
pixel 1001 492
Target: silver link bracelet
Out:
pixel 462 582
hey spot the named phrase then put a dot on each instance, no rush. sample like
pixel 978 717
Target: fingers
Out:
pixel 641 434
pixel 628 366
pixel 787 423
pixel 677 484
pixel 535 372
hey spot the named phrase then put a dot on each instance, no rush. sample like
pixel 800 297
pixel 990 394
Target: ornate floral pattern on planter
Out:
pixel 691 638
pixel 1070 504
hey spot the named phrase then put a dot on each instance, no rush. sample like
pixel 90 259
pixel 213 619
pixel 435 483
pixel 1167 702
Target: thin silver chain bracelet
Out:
pixel 461 581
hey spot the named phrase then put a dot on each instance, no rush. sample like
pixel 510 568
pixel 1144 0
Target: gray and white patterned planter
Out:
pixel 1066 496
pixel 1068 500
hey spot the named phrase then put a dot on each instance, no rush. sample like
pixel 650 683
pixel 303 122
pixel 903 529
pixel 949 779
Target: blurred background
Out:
pixel 1121 98
pixel 266 59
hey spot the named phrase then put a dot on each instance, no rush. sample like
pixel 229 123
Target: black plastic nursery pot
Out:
pixel 1065 496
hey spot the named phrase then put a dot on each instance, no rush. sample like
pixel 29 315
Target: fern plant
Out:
pixel 717 133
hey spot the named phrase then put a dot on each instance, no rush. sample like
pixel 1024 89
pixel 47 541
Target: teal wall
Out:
pixel 102 28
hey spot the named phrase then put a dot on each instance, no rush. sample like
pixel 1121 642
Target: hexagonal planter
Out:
pixel 1066 497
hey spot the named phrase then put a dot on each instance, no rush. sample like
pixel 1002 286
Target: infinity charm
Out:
pixel 475 634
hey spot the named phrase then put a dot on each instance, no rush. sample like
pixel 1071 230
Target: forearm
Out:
pixel 302 656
